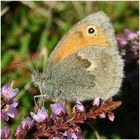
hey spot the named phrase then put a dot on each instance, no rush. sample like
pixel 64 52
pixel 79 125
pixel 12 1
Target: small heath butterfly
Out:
pixel 85 64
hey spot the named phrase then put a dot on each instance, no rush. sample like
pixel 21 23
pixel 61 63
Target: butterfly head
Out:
pixel 35 78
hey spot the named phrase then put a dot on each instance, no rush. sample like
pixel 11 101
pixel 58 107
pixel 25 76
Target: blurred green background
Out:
pixel 30 30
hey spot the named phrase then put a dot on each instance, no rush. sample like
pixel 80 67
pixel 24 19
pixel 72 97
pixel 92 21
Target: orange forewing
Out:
pixel 76 40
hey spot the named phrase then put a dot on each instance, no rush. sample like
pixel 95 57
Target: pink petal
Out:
pixel 102 115
pixel 14 104
pixel 35 117
pixel 111 116
pixel 5 88
pixel 96 101
pixel 79 106
pixel 10 115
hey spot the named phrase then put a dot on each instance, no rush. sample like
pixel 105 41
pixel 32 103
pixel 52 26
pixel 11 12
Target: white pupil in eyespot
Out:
pixel 91 30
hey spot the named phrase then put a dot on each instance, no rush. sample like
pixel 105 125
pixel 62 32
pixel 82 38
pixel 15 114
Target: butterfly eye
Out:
pixel 91 30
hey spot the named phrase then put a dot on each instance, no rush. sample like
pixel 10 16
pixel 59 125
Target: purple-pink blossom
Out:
pixel 121 40
pixel 129 49
pixel 129 42
pixel 9 110
pixel 102 115
pixel 5 133
pixel 73 133
pixel 80 106
pixel 18 131
pixel 111 116
pixel 131 35
pixel 97 101
pixel 41 115
pixel 25 125
pixel 8 92
pixel 58 108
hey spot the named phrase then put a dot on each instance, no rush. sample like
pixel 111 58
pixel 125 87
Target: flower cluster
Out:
pixel 8 107
pixel 129 49
pixel 129 45
pixel 57 125
pixel 38 125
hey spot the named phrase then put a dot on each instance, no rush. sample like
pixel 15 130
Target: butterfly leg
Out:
pixel 39 96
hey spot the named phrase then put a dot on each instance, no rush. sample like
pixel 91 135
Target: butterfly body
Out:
pixel 85 64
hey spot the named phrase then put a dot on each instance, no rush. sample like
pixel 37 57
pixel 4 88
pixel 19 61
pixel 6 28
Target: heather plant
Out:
pixel 8 107
pixel 129 48
pixel 56 125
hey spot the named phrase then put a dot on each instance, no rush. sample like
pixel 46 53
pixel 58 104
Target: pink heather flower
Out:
pixel 41 115
pixel 8 92
pixel 9 110
pixel 57 108
pixel 18 131
pixel 102 115
pixel 5 133
pixel 80 106
pixel 130 34
pixel 111 116
pixel 129 46
pixel 27 123
pixel 121 40
pixel 79 134
pixel 97 101
pixel 73 134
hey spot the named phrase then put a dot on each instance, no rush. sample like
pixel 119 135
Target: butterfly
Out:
pixel 85 63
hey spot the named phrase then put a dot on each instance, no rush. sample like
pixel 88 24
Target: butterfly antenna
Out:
pixel 22 65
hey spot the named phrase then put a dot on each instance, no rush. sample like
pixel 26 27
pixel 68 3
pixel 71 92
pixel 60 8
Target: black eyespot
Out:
pixel 91 30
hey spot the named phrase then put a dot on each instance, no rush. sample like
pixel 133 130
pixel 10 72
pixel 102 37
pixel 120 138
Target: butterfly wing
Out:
pixel 88 73
pixel 69 78
pixel 78 37
pixel 85 63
